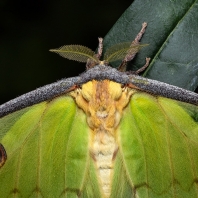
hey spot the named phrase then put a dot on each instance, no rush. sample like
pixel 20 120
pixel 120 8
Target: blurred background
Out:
pixel 29 28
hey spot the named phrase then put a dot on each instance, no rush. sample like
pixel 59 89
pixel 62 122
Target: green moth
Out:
pixel 106 133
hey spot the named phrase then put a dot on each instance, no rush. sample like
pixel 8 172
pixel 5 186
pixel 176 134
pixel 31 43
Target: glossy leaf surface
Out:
pixel 172 37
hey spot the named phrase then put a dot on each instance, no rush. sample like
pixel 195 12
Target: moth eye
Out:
pixel 124 89
pixel 80 86
pixel 3 155
pixel 78 91
pixel 123 86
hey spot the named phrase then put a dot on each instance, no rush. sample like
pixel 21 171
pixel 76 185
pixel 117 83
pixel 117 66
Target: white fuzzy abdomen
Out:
pixel 103 148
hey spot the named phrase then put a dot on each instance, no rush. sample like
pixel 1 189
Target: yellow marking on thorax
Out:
pixel 103 102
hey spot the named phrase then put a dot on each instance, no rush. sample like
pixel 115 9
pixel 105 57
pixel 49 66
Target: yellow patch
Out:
pixel 103 102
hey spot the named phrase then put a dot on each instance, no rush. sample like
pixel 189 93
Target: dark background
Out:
pixel 29 28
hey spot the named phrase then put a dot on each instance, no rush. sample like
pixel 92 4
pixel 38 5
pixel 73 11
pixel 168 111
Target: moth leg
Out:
pixel 91 63
pixel 130 56
pixel 140 34
pixel 122 66
pixel 100 48
pixel 143 67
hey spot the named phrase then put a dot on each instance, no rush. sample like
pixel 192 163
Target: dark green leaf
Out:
pixel 172 37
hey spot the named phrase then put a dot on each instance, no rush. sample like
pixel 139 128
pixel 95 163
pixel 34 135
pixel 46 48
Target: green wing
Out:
pixel 48 154
pixel 47 149
pixel 158 155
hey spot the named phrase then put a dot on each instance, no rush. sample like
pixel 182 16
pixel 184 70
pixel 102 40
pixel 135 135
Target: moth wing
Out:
pixel 47 152
pixel 158 149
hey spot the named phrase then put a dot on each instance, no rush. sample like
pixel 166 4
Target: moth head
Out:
pixel 121 51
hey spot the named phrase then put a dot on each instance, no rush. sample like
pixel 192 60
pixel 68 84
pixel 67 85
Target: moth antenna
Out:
pixel 130 56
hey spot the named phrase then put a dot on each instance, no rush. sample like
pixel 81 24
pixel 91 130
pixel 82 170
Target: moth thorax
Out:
pixel 103 102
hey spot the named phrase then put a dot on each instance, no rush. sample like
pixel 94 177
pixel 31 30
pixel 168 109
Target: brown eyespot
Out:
pixel 3 155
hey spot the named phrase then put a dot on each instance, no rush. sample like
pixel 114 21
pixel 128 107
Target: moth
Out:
pixel 105 133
